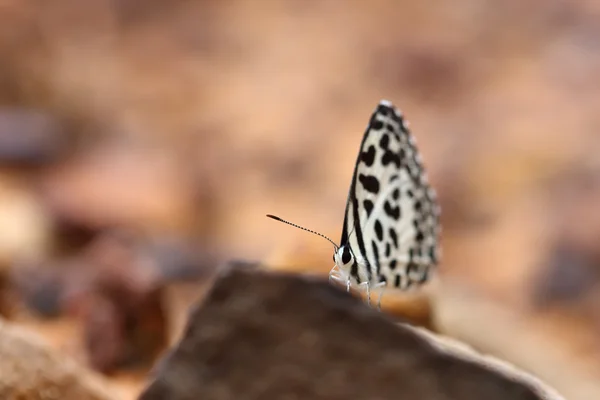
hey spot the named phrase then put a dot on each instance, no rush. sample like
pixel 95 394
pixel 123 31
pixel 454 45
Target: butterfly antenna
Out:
pixel 303 228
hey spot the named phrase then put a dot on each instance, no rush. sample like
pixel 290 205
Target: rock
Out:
pixel 39 286
pixel 116 292
pixel 4 307
pixel 260 334
pixel 30 137
pixel 25 232
pixel 25 226
pixel 570 271
pixel 29 370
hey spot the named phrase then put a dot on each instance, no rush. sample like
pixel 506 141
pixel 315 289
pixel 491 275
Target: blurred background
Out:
pixel 143 142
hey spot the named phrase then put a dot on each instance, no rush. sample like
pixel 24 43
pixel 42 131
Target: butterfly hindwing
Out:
pixel 392 216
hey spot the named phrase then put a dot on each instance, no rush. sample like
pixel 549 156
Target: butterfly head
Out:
pixel 343 257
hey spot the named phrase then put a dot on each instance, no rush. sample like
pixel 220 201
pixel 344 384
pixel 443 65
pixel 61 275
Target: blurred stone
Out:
pixel 29 137
pixel 178 259
pixel 25 228
pixel 116 292
pixel 4 308
pixel 265 335
pixel 70 236
pixel 30 370
pixel 570 271
pixel 414 308
pixel 40 286
pixel 566 277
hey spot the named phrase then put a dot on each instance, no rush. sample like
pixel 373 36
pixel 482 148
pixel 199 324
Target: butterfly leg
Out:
pixel 380 285
pixel 337 277
pixel 333 274
pixel 368 290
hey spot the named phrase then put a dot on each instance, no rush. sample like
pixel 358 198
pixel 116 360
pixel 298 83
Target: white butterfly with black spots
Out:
pixel 391 227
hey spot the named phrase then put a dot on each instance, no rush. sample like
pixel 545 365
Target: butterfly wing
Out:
pixel 392 215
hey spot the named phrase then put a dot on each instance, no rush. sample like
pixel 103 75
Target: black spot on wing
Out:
pixel 368 205
pixel 432 254
pixel 390 157
pixel 397 282
pixel 394 237
pixel 419 237
pixel 375 252
pixel 368 157
pixel 402 154
pixel 392 212
pixel 388 249
pixel 384 142
pixel 397 118
pixel 354 271
pixel 378 230
pixel 384 110
pixel 369 183
pixel 394 178
pixel 376 124
pixel 418 205
pixel 396 194
pixel 393 265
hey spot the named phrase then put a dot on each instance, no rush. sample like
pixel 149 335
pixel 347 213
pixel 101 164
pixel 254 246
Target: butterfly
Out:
pixel 391 231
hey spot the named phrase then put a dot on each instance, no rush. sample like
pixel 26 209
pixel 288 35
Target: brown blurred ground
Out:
pixel 193 119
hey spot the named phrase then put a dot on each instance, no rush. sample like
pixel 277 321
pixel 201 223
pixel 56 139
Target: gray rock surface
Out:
pixel 31 370
pixel 261 335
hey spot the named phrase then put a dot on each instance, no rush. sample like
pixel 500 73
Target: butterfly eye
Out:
pixel 346 255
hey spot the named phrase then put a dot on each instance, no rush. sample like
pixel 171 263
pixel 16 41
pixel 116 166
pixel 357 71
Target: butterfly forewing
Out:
pixel 392 216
